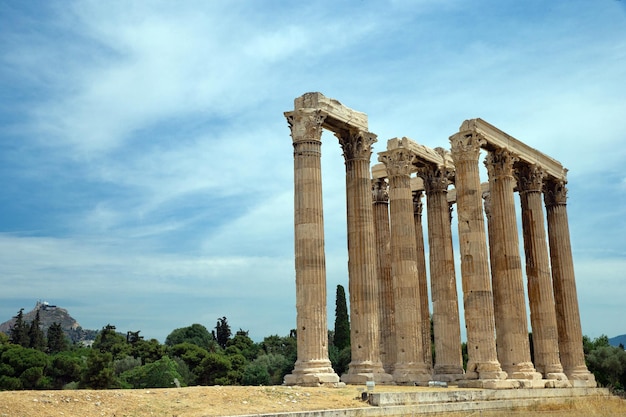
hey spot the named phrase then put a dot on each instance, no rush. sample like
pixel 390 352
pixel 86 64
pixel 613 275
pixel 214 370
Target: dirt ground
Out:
pixel 230 401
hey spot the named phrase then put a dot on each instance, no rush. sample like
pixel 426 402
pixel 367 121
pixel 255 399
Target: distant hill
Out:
pixel 49 314
pixel 615 341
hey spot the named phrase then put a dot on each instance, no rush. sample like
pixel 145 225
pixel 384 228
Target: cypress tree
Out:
pixel 19 332
pixel 36 335
pixel 342 322
pixel 56 338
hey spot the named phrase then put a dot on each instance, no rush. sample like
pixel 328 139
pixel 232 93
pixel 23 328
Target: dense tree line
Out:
pixel 194 355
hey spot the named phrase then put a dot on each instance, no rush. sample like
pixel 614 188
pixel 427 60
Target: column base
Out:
pixel 363 371
pixel 523 370
pixel 448 373
pixel 412 374
pixel 313 374
pixel 581 378
pixel 485 371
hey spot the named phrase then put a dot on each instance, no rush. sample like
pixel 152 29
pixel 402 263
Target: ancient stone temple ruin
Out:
pixel 388 286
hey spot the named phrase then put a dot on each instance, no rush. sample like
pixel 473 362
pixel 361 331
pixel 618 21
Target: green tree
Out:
pixel 222 331
pixel 196 334
pixel 36 336
pixel 57 342
pixel 18 334
pixel 99 373
pixel 214 370
pixel 65 367
pixel 26 365
pixel 342 322
pixel 108 340
pixel 608 364
pixel 148 350
pixel 160 374
pixel 340 358
pixel 244 345
pixel 267 369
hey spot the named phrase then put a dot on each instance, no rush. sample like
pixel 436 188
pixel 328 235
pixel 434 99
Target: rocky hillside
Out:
pixel 49 314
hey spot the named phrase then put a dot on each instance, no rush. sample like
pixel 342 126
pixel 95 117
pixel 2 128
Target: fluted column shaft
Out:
pixel 446 323
pixel 385 280
pixel 508 283
pixel 564 282
pixel 421 276
pixel 410 366
pixel 312 366
pixel 477 293
pixel 540 293
pixel 364 305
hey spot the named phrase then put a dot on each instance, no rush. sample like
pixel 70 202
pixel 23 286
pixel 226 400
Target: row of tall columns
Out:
pixel 390 330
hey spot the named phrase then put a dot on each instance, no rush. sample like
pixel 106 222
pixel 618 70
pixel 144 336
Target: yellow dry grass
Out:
pixel 229 401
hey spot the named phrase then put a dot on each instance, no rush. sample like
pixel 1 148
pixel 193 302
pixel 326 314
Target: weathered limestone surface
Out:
pixel 387 267
pixel 380 196
pixel 508 284
pixel 421 276
pixel 312 366
pixel 565 297
pixel 446 324
pixel 477 292
pixel 541 298
pixel 362 262
pixel 410 366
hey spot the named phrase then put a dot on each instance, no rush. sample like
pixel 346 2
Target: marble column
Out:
pixel 477 292
pixel 446 323
pixel 410 367
pixel 421 276
pixel 312 366
pixel 364 304
pixel 380 197
pixel 540 294
pixel 564 282
pixel 513 346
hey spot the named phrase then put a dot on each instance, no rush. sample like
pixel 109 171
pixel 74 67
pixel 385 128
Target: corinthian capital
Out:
pixel 500 162
pixel 305 124
pixel 380 190
pixel 398 162
pixel 356 144
pixel 555 193
pixel 465 146
pixel 529 178
pixel 436 179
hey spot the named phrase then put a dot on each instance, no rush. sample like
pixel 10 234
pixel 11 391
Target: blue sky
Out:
pixel 147 168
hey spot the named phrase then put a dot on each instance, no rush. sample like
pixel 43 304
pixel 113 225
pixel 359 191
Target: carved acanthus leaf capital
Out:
pixel 436 179
pixel 398 162
pixel 487 203
pixel 529 178
pixel 418 205
pixel 555 193
pixel 465 146
pixel 305 125
pixel 380 190
pixel 500 162
pixel 356 144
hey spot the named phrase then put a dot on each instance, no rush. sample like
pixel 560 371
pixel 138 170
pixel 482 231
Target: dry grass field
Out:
pixel 229 401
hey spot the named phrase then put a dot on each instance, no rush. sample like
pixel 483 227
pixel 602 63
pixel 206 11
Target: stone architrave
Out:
pixel 313 366
pixel 540 293
pixel 421 276
pixel 362 261
pixel 477 292
pixel 565 297
pixel 513 347
pixel 410 367
pixel 380 196
pixel 446 324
